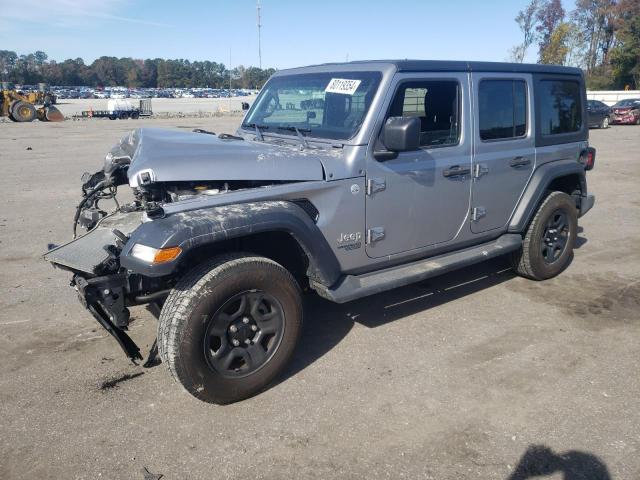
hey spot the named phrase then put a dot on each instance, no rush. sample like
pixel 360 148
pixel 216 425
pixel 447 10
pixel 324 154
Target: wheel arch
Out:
pixel 566 176
pixel 280 230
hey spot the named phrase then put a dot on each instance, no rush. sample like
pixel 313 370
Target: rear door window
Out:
pixel 502 109
pixel 560 107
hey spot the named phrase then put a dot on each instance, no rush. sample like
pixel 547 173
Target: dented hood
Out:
pixel 175 156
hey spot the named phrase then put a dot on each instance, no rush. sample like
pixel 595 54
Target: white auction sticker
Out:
pixel 343 85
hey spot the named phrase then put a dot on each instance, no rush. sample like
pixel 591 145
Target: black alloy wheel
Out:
pixel 244 333
pixel 555 236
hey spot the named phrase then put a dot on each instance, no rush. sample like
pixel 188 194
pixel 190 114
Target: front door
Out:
pixel 421 198
pixel 504 147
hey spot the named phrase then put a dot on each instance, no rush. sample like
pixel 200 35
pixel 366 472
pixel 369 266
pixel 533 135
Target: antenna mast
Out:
pixel 258 7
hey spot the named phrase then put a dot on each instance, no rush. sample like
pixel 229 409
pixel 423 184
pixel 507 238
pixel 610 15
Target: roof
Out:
pixel 452 65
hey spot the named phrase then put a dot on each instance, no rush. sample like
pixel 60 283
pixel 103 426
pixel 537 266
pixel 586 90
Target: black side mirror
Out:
pixel 399 134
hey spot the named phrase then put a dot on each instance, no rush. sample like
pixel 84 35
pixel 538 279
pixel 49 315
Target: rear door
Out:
pixel 504 146
pixel 421 198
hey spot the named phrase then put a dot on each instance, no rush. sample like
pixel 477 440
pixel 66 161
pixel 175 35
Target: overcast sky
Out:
pixel 294 32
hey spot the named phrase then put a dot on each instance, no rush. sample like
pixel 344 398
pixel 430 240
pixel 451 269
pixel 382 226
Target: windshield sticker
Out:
pixel 342 85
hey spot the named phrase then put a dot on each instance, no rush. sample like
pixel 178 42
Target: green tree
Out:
pixel 526 21
pixel 625 56
pixel 550 17
pixel 556 49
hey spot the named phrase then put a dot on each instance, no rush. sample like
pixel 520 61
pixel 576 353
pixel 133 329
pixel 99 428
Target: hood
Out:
pixel 175 156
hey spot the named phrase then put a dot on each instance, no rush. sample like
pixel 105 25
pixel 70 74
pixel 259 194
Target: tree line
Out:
pixel 600 36
pixel 36 67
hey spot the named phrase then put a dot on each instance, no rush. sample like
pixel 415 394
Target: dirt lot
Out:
pixel 476 374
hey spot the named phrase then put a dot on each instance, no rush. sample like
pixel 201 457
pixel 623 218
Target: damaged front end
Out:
pixel 130 254
pixel 103 286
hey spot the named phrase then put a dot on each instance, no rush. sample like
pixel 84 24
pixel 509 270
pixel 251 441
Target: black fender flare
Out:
pixel 194 228
pixel 537 187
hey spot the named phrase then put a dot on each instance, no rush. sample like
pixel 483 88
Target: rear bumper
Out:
pixel 586 203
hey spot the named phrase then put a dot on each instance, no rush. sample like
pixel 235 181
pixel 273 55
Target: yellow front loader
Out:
pixel 21 107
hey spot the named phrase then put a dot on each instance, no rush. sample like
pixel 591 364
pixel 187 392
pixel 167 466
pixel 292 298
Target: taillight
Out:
pixel 588 158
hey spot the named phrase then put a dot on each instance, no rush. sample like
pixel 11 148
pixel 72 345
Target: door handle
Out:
pixel 520 162
pixel 456 171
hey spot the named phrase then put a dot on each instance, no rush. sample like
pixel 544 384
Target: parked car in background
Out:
pixel 599 114
pixel 626 112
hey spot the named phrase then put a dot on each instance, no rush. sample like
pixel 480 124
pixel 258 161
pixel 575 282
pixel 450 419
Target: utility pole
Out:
pixel 259 39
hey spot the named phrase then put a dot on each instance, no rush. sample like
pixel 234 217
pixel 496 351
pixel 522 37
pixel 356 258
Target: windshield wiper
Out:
pixel 258 129
pixel 298 131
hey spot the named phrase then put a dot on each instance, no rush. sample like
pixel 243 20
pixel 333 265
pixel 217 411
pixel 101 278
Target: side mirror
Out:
pixel 401 134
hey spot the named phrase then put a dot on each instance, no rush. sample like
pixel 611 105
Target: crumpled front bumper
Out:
pixel 104 297
pixel 94 252
pixel 101 285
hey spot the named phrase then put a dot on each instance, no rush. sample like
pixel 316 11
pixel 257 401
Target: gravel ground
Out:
pixel 476 374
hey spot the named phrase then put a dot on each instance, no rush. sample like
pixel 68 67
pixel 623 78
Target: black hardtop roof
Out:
pixel 457 65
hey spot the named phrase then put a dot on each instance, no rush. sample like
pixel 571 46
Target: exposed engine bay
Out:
pixel 148 196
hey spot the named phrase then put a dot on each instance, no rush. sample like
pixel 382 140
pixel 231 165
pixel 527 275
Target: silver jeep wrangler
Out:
pixel 346 179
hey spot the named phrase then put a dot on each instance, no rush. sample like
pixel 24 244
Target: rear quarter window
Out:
pixel 560 107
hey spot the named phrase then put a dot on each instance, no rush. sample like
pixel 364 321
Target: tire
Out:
pixel 197 320
pixel 124 115
pixel 134 115
pixel 537 260
pixel 23 112
pixel 605 123
pixel 112 116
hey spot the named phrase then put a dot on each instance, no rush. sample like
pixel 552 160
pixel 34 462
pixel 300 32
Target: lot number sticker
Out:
pixel 342 85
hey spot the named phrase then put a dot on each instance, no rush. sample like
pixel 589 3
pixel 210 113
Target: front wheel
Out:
pixel 230 326
pixel 605 123
pixel 547 248
pixel 23 111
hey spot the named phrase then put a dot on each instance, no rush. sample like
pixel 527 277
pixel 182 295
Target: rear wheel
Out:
pixel 134 115
pixel 23 111
pixel 229 327
pixel 547 248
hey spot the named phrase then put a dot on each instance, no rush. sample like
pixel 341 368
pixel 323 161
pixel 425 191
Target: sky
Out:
pixel 294 32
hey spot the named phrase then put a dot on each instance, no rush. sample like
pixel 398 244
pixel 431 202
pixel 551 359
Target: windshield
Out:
pixel 324 105
pixel 627 103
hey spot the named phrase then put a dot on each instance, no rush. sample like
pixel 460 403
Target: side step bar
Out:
pixel 357 286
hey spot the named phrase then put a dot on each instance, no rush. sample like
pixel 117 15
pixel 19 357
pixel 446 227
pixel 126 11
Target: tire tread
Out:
pixel 183 297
